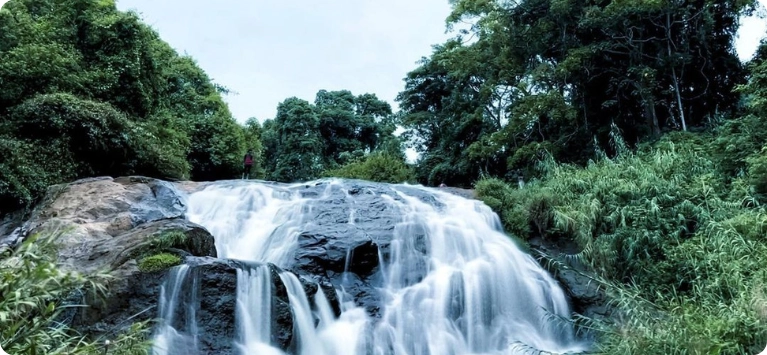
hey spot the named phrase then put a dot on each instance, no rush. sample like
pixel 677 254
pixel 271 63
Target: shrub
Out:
pixel 32 294
pixel 379 167
pixel 677 246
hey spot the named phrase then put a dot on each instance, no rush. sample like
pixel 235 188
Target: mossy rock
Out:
pixel 177 236
pixel 158 262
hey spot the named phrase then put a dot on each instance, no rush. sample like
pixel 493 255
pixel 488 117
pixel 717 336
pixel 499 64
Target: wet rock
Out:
pixel 106 225
pixel 319 253
pixel 575 278
pixel 214 284
pixel 352 229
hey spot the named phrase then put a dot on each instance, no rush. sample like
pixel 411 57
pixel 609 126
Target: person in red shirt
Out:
pixel 248 162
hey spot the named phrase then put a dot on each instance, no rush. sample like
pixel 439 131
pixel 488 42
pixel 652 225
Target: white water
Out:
pixel 476 292
pixel 169 340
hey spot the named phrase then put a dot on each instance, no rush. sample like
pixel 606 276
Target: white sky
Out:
pixel 267 51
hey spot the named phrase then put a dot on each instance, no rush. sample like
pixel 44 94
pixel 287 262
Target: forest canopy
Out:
pixel 90 91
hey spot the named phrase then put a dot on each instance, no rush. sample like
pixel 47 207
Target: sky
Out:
pixel 269 50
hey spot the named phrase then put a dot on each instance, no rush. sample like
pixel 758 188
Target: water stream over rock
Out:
pixel 336 267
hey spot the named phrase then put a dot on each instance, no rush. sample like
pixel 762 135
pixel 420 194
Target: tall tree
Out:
pixel 294 142
pixel 558 75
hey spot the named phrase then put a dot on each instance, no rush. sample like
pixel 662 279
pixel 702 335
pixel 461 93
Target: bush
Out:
pixel 63 123
pixel 32 294
pixel 24 176
pixel 54 138
pixel 379 167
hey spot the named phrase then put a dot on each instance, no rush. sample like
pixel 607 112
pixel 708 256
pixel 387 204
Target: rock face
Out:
pixel 346 242
pixel 585 295
pixel 106 225
pixel 210 287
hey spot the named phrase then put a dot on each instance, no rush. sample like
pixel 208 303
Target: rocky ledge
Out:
pixel 135 229
pixel 209 288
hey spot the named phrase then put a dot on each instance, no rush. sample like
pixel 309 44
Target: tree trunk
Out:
pixel 673 73
pixel 649 109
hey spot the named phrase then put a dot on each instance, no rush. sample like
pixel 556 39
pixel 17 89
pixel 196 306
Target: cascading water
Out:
pixel 167 336
pixel 450 282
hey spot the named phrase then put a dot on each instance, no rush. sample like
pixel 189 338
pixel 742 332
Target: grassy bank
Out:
pixel 678 244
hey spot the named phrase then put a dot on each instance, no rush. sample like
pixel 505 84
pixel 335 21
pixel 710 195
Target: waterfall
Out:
pixel 168 340
pixel 449 281
pixel 253 307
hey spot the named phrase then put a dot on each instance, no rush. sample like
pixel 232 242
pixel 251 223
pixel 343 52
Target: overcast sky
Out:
pixel 267 51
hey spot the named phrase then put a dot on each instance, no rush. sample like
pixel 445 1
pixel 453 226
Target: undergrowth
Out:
pixel 677 244
pixel 33 310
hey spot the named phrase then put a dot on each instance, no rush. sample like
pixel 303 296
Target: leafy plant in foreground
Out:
pixel 32 308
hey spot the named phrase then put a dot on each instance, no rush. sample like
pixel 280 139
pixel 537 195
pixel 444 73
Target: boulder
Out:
pixel 586 297
pixel 105 225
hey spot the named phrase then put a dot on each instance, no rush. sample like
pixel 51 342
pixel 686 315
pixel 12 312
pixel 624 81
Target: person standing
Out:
pixel 248 164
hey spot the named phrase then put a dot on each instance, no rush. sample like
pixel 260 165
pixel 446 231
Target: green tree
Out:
pixel 555 76
pixel 294 142
pixel 253 132
pixel 86 72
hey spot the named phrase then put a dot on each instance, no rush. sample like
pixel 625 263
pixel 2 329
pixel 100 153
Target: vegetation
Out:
pixel 33 311
pixel 380 167
pixel 539 76
pixel 306 141
pixel 102 94
pixel 676 244
pixel 158 262
pixel 639 132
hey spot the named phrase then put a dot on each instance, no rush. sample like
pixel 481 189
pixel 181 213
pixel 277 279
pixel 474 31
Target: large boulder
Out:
pixel 577 280
pixel 351 234
pixel 105 225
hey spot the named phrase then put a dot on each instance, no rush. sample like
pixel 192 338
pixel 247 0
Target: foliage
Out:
pixel 158 262
pixel 557 75
pixel 253 132
pixel 33 292
pixel 380 167
pixel 293 142
pixel 675 243
pixel 156 244
pixel 305 139
pixel 90 90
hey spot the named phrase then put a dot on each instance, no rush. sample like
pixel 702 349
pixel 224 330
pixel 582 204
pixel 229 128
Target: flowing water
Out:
pixel 452 283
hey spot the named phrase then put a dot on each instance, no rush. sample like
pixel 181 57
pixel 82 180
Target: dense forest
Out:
pixel 637 129
pixel 88 90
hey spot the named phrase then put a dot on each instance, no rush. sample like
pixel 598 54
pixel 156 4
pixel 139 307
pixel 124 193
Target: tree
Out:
pixel 556 76
pixel 294 142
pixel 86 72
pixel 253 132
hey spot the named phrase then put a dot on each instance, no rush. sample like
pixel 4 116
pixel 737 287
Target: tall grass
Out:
pixel 678 245
pixel 33 290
